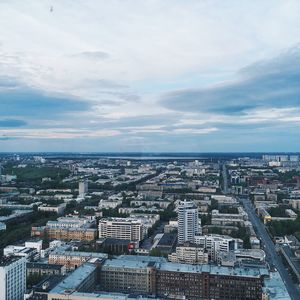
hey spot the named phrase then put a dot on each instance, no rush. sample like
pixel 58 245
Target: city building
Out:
pixel 73 259
pixel 2 226
pixel 215 244
pixel 12 278
pixel 239 218
pixel 82 279
pixel 83 187
pixel 58 209
pixel 68 228
pixel 189 254
pixel 188 222
pixel 128 275
pixel 121 228
pixel 42 269
pixel 81 234
pixel 21 251
pixel 155 276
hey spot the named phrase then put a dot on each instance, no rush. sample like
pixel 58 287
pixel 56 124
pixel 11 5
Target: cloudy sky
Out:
pixel 153 75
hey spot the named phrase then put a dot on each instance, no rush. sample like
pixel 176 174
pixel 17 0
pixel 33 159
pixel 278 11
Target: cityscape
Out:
pixel 192 226
pixel 149 150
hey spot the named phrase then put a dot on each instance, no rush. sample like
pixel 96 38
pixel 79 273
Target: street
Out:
pixel 272 257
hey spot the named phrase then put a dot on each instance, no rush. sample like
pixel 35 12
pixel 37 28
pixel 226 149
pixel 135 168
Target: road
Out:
pixel 272 257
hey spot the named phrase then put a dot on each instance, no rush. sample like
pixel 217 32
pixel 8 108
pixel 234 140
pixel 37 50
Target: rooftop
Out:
pixel 215 270
pixel 275 287
pixel 74 279
pixel 131 261
pixel 7 260
pixel 79 253
pixel 43 265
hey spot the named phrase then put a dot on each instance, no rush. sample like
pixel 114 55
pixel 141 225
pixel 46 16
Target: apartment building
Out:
pixel 214 244
pixel 189 254
pixel 155 276
pixel 12 278
pixel 82 234
pixel 188 222
pixel 128 276
pixel 121 228
pixel 41 269
pixel 239 218
pixel 73 259
pixel 82 279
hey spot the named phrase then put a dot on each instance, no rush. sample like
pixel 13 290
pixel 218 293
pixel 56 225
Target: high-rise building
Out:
pixel 12 278
pixel 188 222
pixel 83 187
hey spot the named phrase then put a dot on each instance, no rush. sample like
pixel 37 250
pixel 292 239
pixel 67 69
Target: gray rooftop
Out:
pixel 79 253
pixel 6 261
pixel 275 287
pixel 74 279
pixel 131 261
pixel 214 270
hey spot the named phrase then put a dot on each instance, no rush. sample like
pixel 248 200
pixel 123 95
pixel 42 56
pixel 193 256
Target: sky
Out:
pixel 150 76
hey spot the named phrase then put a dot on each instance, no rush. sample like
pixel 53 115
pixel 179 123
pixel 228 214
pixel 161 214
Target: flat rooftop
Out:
pixel 74 279
pixel 132 261
pixel 79 253
pixel 6 261
pixel 275 287
pixel 43 265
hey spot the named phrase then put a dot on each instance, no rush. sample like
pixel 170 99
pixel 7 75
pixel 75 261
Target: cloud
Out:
pixel 37 104
pixel 12 123
pixel 93 55
pixel 57 133
pixel 171 75
pixel 195 130
pixel 268 84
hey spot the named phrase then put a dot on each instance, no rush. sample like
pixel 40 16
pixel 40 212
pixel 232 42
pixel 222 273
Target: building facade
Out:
pixel 121 228
pixel 73 259
pixel 189 254
pixel 12 278
pixel 188 222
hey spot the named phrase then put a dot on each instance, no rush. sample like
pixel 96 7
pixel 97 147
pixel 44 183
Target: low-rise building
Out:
pixel 189 254
pixel 34 268
pixel 73 259
pixel 215 244
pixel 83 279
pixel 218 218
pixel 58 209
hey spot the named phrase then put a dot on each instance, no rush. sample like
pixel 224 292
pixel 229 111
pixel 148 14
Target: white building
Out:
pixel 121 228
pixel 224 219
pixel 21 251
pixel 188 222
pixel 12 278
pixel 214 244
pixel 59 209
pixel 71 222
pixel 83 187
pixel 38 245
pixel 2 226
pixel 189 254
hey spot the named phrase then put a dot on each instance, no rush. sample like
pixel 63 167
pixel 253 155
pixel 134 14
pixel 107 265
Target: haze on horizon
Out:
pixel 149 76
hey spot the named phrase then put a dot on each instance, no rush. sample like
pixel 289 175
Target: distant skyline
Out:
pixel 149 76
